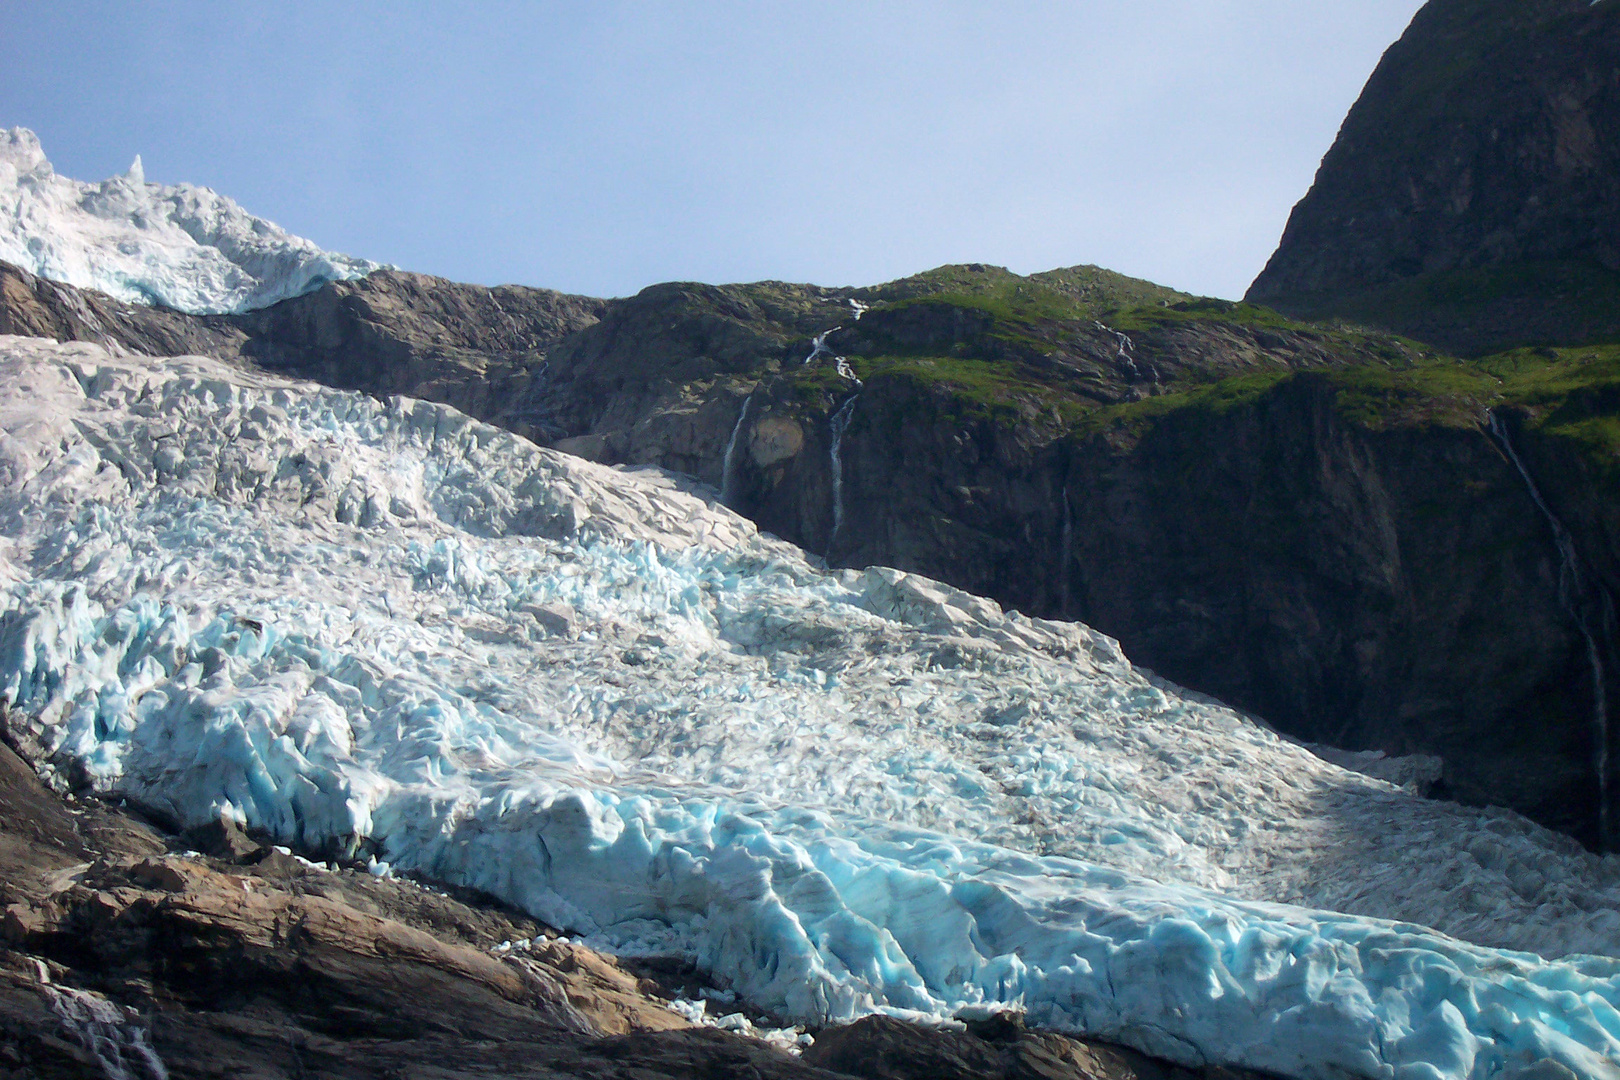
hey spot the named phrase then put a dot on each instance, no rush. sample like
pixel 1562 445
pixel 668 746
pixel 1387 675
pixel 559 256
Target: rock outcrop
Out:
pixel 1472 198
pixel 479 349
pixel 998 1047
pixel 1355 569
pixel 121 954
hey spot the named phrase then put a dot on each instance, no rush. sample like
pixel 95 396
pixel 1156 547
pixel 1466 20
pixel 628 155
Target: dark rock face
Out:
pixel 479 349
pixel 1394 590
pixel 34 307
pixel 657 380
pixel 1472 198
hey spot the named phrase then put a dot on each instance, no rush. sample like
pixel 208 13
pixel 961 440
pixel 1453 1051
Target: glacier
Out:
pixel 382 630
pixel 181 246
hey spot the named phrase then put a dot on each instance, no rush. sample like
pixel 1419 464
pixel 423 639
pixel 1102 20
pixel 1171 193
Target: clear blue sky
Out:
pixel 601 146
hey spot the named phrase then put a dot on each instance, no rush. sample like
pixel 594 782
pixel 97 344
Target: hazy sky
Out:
pixel 601 146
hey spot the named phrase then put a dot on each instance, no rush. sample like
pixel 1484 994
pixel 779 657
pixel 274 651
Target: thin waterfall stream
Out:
pixel 840 424
pixel 1571 588
pixel 1065 554
pixel 819 346
pixel 841 418
pixel 728 472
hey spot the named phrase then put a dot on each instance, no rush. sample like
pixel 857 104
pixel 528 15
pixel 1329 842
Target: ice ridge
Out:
pixel 385 628
pixel 183 247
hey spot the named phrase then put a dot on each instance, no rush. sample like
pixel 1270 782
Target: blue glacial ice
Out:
pixel 385 628
pixel 180 246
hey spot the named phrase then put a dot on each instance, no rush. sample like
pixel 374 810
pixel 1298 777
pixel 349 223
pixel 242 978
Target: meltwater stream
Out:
pixel 1066 554
pixel 819 346
pixel 1571 587
pixel 840 424
pixel 728 473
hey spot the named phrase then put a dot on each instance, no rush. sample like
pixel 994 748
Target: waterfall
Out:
pixel 819 344
pixel 840 424
pixel 1126 347
pixel 517 335
pixel 1066 553
pixel 727 466
pixel 104 1031
pixel 1571 588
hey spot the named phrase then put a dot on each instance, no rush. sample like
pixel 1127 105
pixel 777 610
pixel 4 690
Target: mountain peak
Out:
pixel 1472 198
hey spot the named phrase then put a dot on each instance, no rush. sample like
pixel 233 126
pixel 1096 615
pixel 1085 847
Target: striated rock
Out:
pixel 283 967
pixel 483 350
pixel 36 307
pixel 225 839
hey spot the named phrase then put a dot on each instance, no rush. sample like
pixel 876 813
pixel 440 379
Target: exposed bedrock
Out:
pixel 119 958
pixel 481 350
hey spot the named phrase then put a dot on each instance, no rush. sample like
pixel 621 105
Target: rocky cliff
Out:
pixel 1311 523
pixel 1472 198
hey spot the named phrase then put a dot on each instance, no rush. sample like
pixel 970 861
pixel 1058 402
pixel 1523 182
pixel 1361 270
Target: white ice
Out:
pixel 607 699
pixel 183 247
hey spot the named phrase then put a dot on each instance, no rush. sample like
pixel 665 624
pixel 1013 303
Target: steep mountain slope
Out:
pixel 183 247
pixel 1472 198
pixel 387 633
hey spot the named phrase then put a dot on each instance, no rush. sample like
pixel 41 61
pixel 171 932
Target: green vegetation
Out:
pixel 1487 309
pixel 1141 317
pixel 984 389
pixel 1133 418
pixel 971 388
pixel 1444 392
pixel 1571 394
pixel 990 345
pixel 1080 292
pixel 1568 394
